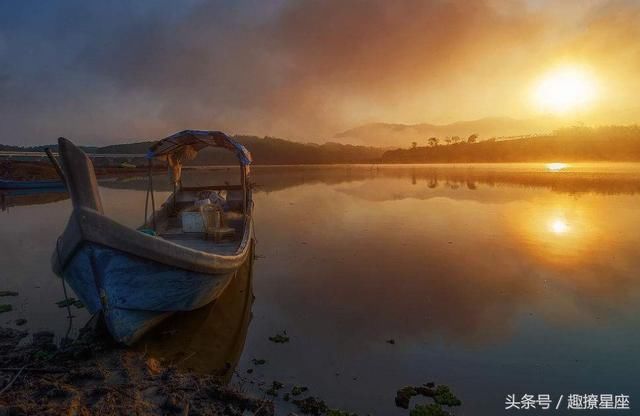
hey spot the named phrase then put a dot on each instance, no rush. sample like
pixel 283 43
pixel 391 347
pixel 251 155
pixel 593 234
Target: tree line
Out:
pixel 577 143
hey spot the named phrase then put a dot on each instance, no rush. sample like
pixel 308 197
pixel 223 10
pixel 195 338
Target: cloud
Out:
pixel 110 71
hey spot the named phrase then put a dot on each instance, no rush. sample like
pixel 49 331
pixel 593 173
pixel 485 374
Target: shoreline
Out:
pixel 93 375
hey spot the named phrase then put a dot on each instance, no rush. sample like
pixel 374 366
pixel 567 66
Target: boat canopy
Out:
pixel 191 142
pixel 186 144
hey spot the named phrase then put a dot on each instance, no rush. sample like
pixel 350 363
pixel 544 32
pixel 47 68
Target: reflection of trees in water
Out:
pixel 274 178
pixel 29 197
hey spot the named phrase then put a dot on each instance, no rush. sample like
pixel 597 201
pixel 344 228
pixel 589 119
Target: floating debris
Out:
pixel 5 308
pixel 8 293
pixel 280 338
pixel 20 321
pixel 70 302
pixel 298 390
pixel 258 361
pixel 391 341
pixel 250 370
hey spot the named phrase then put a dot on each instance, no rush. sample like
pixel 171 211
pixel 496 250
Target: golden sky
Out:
pixel 304 70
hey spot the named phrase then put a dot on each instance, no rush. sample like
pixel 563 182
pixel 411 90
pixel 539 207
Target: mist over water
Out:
pixel 492 279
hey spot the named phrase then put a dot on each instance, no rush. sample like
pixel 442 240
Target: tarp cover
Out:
pixel 186 144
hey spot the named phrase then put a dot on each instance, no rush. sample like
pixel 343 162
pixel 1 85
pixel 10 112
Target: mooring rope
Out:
pixel 64 289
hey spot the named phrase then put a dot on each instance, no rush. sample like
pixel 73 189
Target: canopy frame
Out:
pixel 186 144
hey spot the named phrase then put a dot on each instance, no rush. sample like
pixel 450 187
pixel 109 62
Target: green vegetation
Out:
pixel 428 410
pixel 70 302
pixel 441 395
pixel 445 396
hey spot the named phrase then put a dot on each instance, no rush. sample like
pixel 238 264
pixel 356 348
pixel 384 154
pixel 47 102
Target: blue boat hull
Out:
pixel 135 294
pixel 53 184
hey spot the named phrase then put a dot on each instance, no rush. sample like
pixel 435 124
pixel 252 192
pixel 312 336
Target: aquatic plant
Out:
pixel 312 406
pixel 445 396
pixel 428 410
pixel 273 390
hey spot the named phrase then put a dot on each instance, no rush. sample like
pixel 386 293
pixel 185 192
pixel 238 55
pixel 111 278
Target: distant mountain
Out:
pixel 265 151
pixel 402 135
pixel 273 151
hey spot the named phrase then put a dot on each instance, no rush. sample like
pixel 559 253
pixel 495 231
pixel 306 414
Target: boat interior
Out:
pixel 206 218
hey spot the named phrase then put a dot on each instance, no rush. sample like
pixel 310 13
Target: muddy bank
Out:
pixel 91 375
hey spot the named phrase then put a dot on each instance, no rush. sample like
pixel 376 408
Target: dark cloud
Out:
pixel 109 71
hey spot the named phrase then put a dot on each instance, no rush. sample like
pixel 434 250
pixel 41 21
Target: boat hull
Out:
pixel 133 293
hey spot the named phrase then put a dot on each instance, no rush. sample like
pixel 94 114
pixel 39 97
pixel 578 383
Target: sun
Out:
pixel 565 89
pixel 559 226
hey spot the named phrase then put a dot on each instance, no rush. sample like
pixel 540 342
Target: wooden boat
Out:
pixel 181 259
pixel 210 339
pixel 43 184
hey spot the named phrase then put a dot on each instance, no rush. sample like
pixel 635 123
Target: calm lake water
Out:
pixel 491 279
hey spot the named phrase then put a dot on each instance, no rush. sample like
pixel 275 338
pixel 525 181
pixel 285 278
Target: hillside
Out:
pixel 387 134
pixel 265 151
pixel 566 145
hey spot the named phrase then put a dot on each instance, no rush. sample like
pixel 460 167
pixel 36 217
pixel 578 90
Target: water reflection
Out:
pixel 26 197
pixel 491 279
pixel 210 339
pixel 623 178
pixel 557 166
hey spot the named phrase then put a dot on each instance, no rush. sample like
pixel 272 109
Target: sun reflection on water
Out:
pixel 559 226
pixel 556 166
pixel 557 230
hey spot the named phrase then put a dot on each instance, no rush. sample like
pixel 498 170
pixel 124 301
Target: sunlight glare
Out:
pixel 565 89
pixel 556 166
pixel 559 226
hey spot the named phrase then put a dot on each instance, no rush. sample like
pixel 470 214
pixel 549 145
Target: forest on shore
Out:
pixel 265 151
pixel 572 144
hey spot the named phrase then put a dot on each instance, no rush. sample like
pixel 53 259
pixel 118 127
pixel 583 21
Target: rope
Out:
pixel 64 289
